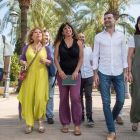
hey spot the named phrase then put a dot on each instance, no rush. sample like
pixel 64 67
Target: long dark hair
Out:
pixel 59 35
pixel 137 32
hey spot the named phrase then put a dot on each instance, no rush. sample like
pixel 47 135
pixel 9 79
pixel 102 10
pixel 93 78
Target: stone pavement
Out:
pixel 11 128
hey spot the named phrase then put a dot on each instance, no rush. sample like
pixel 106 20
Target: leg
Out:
pixel 81 94
pixel 120 114
pixel 105 83
pixel 64 109
pixel 50 103
pixel 1 74
pixel 88 96
pixel 119 118
pixel 41 128
pixel 118 83
pixel 76 108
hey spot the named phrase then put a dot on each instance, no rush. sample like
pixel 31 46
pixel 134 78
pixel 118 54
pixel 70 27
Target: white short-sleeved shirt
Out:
pixel 131 43
pixel 4 50
pixel 86 69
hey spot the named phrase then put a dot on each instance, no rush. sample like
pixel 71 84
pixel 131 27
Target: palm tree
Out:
pixel 60 7
pixel 48 16
pixel 24 6
pixel 90 18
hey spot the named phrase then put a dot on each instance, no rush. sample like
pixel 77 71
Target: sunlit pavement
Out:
pixel 11 128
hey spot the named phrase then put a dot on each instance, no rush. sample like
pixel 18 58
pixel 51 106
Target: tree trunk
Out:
pixel 24 6
pixel 23 26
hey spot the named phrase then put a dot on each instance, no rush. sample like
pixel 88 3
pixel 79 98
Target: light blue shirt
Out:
pixel 50 46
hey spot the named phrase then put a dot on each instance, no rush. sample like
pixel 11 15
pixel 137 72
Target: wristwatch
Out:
pixel 6 72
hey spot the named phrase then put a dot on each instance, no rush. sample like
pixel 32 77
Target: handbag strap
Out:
pixel 34 58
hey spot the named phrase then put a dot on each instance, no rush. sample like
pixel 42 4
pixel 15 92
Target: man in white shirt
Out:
pixel 86 81
pixel 6 51
pixel 110 59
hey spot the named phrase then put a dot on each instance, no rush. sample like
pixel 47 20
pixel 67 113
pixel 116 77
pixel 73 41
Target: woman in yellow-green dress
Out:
pixel 33 95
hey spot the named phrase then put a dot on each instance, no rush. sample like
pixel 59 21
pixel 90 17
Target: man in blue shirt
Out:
pixel 50 103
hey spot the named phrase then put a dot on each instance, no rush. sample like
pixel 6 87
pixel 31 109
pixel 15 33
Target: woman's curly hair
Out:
pixel 29 39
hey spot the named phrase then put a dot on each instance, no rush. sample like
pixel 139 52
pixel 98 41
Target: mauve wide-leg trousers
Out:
pixel 64 108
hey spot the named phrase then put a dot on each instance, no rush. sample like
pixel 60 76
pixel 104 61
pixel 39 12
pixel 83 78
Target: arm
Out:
pixel 124 57
pixel 47 60
pixel 91 58
pixel 22 59
pixel 91 63
pixel 7 53
pixel 130 57
pixel 80 62
pixel 6 66
pixel 56 55
pixel 131 46
pixel 95 60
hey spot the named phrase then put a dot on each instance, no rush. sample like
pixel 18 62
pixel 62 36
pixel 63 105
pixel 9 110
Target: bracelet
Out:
pixel 6 72
pixel 129 71
pixel 47 64
pixel 59 69
pixel 21 63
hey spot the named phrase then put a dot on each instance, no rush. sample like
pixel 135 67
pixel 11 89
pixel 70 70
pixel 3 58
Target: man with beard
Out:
pixel 86 81
pixel 109 62
pixel 50 103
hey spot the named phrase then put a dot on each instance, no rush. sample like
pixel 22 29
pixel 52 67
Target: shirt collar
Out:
pixel 106 31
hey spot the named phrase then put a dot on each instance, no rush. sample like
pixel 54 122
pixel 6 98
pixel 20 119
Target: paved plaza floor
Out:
pixel 11 128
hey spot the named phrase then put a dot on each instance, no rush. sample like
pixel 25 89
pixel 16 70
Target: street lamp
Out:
pixel 13 20
pixel 124 18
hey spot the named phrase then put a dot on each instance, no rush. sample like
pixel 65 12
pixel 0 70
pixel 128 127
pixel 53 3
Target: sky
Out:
pixel 133 10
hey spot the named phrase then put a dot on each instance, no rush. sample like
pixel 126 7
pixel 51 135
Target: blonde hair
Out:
pixel 29 39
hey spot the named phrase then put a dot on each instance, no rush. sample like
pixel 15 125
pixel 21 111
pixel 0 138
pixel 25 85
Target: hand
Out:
pixel 62 75
pixel 130 77
pixel 4 77
pixel 23 63
pixel 96 79
pixel 74 76
pixel 125 77
pixel 43 60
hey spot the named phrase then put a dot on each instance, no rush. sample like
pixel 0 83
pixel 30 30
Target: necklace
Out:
pixel 35 48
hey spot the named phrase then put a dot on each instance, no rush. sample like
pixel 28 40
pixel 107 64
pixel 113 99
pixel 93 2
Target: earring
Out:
pixel 32 40
pixel 72 33
pixel 63 36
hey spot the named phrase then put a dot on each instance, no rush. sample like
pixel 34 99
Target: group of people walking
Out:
pixel 107 64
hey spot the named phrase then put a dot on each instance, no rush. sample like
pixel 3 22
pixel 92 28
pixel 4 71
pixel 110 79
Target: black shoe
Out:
pixel 90 121
pixel 83 118
pixel 50 120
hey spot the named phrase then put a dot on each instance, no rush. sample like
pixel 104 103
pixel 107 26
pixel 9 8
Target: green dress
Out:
pixel 33 94
pixel 135 86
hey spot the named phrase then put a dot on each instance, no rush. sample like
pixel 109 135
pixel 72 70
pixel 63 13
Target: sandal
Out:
pixel 28 130
pixel 65 129
pixel 77 132
pixel 41 129
pixel 134 128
